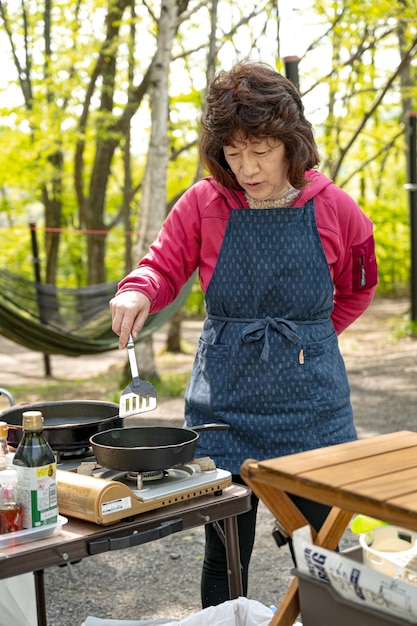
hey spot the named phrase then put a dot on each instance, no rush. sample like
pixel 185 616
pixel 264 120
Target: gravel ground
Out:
pixel 161 579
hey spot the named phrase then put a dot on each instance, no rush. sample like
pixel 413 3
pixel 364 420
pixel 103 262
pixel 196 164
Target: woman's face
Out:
pixel 260 167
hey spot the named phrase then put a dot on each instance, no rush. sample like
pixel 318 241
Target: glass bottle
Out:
pixel 4 450
pixel 35 464
pixel 11 511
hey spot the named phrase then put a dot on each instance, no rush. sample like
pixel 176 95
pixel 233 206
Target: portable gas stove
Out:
pixel 103 496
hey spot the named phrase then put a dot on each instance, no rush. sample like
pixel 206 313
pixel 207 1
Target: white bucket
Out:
pixel 392 551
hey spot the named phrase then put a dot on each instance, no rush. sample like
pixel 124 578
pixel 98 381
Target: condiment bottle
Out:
pixel 35 464
pixel 4 450
pixel 11 511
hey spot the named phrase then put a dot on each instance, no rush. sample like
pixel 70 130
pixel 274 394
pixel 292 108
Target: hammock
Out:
pixel 70 322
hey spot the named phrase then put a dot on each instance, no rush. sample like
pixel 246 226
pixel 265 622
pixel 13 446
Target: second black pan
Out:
pixel 68 425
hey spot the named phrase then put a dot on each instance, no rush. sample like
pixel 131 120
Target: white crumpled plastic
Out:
pixel 18 601
pixel 240 612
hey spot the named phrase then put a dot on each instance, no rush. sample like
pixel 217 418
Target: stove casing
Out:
pixel 103 501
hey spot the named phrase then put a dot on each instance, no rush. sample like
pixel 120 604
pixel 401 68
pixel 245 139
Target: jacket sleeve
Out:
pixel 349 306
pixel 172 257
pixel 350 249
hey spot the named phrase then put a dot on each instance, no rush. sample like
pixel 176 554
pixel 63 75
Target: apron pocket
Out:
pixel 257 387
pixel 326 376
pixel 207 390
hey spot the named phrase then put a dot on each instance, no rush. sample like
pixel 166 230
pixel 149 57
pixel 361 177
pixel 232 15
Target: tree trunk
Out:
pixel 145 357
pixel 153 206
pixel 173 343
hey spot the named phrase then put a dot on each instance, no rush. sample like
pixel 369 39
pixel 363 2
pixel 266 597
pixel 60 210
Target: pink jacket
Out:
pixel 192 235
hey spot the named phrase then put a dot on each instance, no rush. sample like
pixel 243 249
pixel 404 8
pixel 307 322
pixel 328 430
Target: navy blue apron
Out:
pixel 268 361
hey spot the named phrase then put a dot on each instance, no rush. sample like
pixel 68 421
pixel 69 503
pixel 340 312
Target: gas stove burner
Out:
pixel 154 475
pixel 139 478
pixel 68 455
pixel 180 472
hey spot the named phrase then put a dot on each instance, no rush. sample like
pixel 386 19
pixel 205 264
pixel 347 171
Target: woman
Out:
pixel 286 262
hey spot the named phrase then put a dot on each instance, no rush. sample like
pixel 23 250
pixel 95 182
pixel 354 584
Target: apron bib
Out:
pixel 268 362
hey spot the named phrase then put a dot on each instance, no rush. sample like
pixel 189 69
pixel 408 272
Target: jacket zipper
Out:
pixel 362 272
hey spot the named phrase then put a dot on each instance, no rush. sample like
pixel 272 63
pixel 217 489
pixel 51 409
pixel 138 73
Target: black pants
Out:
pixel 214 580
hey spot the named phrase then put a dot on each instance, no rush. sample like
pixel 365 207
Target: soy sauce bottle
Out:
pixel 35 464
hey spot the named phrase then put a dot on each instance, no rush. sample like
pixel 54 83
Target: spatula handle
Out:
pixel 132 358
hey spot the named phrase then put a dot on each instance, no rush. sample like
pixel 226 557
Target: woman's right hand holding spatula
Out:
pixel 129 311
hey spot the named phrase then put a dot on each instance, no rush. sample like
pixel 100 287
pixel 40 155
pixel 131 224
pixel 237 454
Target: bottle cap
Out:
pixel 4 427
pixel 8 477
pixel 32 420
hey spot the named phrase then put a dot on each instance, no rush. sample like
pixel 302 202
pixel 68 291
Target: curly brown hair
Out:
pixel 254 101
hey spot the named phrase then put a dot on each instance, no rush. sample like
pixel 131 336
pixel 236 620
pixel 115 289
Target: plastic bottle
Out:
pixel 35 464
pixel 4 450
pixel 11 511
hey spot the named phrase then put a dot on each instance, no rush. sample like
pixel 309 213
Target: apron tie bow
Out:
pixel 261 328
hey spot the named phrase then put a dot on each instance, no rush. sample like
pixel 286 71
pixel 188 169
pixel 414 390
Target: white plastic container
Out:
pixel 32 534
pixel 391 550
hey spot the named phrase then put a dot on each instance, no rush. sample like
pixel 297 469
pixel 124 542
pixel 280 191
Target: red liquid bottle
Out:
pixel 11 511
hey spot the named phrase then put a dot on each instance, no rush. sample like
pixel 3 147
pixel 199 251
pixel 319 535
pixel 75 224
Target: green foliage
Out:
pixel 392 239
pixel 171 385
pixel 406 328
pixel 109 385
pixel 18 259
pixel 357 51
pixel 362 136
pixel 194 304
pixel 379 190
pixel 181 173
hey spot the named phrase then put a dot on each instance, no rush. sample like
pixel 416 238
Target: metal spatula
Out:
pixel 140 395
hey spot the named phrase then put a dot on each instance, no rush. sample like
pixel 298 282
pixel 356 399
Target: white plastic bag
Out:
pixel 18 601
pixel 240 612
pixel 96 621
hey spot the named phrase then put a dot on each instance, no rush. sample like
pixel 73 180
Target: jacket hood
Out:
pixel 316 183
pixel 233 198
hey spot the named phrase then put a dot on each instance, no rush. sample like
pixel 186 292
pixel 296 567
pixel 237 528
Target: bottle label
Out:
pixel 11 519
pixel 38 495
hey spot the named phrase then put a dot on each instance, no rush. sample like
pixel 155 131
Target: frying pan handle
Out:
pixel 210 427
pixel 132 358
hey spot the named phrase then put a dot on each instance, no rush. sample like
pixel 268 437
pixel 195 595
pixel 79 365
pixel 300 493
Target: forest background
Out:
pixel 100 107
pixel 100 102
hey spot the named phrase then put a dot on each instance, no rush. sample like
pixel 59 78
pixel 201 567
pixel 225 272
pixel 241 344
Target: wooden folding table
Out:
pixel 375 477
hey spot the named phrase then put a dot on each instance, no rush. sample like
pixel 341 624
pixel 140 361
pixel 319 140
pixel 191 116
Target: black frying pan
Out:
pixel 147 448
pixel 68 425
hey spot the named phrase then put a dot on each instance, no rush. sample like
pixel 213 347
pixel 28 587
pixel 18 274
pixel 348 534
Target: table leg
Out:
pixel 328 537
pixel 234 569
pixel 289 607
pixel 278 502
pixel 40 597
pixel 291 518
pixel 333 528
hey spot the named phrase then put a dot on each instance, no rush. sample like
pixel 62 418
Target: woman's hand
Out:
pixel 129 311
